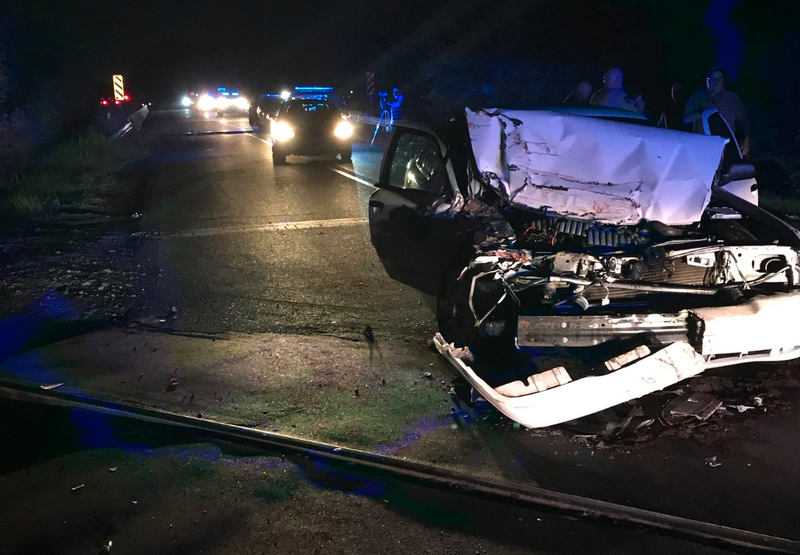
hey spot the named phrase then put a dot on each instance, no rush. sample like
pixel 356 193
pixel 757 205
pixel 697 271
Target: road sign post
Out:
pixel 119 88
pixel 371 88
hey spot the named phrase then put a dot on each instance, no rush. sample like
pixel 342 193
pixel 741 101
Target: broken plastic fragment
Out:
pixel 52 385
pixel 697 405
pixel 626 358
pixel 712 462
pixel 536 383
pixel 80 486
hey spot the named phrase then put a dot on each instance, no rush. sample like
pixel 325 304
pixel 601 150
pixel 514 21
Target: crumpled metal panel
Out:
pixel 587 167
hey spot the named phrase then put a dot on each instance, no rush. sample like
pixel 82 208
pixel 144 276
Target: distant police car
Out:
pixel 310 123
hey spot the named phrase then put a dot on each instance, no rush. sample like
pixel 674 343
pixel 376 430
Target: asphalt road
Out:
pixel 242 245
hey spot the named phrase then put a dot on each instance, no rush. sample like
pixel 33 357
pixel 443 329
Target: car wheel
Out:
pixel 347 154
pixel 278 158
pixel 457 322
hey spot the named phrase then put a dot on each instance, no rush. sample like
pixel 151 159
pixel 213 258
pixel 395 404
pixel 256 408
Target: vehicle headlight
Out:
pixel 206 102
pixel 344 130
pixel 242 103
pixel 223 102
pixel 186 101
pixel 282 131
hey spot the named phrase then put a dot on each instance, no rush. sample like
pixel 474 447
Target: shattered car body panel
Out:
pixel 626 309
pixel 593 168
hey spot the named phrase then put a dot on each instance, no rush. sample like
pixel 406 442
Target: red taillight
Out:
pixel 127 97
pixel 116 102
pixel 104 102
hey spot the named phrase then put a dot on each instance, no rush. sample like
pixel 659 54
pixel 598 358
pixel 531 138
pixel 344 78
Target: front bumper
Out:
pixel 312 147
pixel 761 330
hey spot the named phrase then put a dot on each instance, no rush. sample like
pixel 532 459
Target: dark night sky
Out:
pixel 165 47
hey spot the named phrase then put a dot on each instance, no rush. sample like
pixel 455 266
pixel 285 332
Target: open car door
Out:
pixel 410 221
pixel 737 176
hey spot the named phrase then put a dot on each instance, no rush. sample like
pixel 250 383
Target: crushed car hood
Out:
pixel 583 167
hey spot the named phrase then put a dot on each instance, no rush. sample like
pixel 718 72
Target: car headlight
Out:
pixel 186 101
pixel 242 103
pixel 282 131
pixel 206 102
pixel 344 130
pixel 223 102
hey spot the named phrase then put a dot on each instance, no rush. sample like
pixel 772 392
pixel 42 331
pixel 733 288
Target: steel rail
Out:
pixel 532 497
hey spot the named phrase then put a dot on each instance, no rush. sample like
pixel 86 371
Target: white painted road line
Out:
pixel 354 178
pixel 279 226
pixel 259 139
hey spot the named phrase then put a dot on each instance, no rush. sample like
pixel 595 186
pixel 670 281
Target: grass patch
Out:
pixel 780 205
pixel 377 416
pixel 73 172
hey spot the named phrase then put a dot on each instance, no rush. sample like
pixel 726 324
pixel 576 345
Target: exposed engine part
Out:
pixel 592 233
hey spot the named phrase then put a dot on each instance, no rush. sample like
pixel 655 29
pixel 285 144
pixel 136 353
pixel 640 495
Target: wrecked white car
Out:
pixel 580 263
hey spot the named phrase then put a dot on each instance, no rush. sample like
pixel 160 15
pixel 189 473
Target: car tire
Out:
pixel 457 322
pixel 347 154
pixel 278 158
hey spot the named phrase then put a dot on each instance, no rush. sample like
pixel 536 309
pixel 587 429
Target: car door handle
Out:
pixel 376 205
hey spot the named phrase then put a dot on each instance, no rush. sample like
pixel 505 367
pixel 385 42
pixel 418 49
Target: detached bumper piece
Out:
pixel 763 329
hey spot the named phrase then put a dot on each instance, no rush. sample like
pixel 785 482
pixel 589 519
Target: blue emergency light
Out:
pixel 313 89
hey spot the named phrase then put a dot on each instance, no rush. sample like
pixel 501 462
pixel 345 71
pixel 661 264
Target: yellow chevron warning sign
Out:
pixel 119 89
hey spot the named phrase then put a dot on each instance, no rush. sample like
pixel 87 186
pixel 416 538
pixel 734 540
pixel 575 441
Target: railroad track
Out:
pixel 413 472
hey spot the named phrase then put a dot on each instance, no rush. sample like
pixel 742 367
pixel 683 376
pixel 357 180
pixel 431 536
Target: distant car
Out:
pixel 580 263
pixel 310 127
pixel 222 101
pixel 262 109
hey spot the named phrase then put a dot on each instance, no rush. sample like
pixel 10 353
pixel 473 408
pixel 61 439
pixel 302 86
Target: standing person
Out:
pixel 729 104
pixel 672 114
pixel 580 95
pixel 396 106
pixel 613 96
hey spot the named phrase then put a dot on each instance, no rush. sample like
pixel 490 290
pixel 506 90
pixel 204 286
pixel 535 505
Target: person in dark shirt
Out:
pixel 729 104
pixel 580 95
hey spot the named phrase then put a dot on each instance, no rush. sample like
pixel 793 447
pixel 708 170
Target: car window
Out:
pixel 416 164
pixel 308 107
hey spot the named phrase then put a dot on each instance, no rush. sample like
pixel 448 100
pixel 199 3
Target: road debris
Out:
pixel 151 321
pixel 712 462
pixel 741 408
pixel 52 385
pixel 427 376
pixel 758 401
pixel 112 469
pixel 106 548
pixel 690 405
pixel 76 488
pixel 173 384
pixel 135 216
